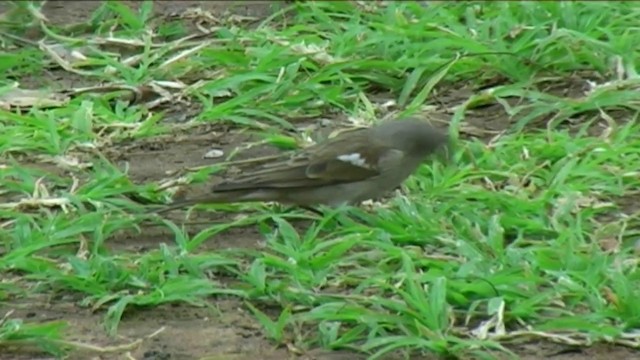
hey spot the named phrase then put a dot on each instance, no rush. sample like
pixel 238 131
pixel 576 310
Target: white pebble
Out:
pixel 213 154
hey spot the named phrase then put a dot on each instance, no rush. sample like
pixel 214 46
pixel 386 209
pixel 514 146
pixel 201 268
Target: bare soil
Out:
pixel 229 332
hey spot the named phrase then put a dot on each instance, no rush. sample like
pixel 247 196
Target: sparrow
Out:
pixel 352 167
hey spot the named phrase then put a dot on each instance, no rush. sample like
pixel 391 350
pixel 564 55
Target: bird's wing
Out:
pixel 357 164
pixel 282 174
pixel 348 157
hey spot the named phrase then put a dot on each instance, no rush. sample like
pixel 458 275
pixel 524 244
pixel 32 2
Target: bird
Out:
pixel 352 167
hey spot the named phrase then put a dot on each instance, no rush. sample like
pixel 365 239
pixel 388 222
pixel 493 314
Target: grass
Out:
pixel 528 234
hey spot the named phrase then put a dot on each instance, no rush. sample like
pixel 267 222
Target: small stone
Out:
pixel 214 154
pixel 325 122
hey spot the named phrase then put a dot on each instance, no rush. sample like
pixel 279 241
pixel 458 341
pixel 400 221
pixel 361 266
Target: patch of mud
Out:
pixel 225 331
pixel 62 12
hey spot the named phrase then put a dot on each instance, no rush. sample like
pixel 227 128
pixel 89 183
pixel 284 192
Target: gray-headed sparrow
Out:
pixel 351 167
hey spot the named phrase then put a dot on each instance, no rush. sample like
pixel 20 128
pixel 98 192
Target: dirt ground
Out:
pixel 230 333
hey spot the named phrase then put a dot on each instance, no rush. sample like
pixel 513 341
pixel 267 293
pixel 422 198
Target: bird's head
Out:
pixel 413 136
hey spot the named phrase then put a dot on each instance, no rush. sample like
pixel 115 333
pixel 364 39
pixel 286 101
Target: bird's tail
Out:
pixel 221 197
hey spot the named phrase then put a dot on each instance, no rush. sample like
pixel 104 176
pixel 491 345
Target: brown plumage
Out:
pixel 352 167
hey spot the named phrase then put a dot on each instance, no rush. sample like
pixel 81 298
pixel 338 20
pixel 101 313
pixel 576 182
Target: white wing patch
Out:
pixel 354 159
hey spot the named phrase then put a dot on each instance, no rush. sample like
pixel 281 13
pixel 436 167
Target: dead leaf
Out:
pixel 17 97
